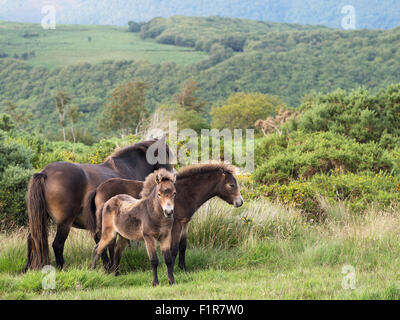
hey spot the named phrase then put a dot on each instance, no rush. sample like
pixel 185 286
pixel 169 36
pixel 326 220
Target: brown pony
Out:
pixel 195 185
pixel 149 219
pixel 60 189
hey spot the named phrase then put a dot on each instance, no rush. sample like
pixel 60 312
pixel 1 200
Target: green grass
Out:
pixel 69 45
pixel 260 251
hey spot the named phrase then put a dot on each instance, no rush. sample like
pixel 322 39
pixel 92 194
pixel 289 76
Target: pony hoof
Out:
pixel 155 283
pixel 171 282
pixel 182 267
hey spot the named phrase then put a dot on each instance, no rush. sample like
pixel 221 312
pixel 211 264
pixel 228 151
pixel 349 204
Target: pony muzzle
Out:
pixel 238 201
pixel 168 212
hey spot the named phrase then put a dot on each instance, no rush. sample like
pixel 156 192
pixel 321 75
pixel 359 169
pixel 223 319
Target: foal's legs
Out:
pixel 107 264
pixel 119 248
pixel 106 237
pixel 151 247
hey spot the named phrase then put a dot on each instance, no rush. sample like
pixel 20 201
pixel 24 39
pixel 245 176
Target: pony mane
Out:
pixel 203 168
pixel 150 182
pixel 142 146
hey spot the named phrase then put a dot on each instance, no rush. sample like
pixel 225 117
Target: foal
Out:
pixel 149 219
pixel 195 185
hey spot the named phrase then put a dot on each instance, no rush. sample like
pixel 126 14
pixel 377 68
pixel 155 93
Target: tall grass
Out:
pixel 231 253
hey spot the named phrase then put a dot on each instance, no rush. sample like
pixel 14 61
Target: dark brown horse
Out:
pixel 149 219
pixel 194 185
pixel 60 189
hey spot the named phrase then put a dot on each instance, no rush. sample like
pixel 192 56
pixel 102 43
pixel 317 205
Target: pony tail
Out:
pixel 38 246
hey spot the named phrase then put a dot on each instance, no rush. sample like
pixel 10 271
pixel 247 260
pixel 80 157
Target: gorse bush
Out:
pixel 302 155
pixel 358 115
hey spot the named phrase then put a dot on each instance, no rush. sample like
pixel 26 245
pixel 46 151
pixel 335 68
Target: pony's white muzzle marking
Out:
pixel 238 202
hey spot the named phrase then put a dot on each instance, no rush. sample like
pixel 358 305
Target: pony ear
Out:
pixel 222 170
pixel 174 178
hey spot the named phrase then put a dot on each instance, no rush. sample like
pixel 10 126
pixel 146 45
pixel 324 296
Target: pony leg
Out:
pixel 151 247
pixel 165 245
pixel 99 249
pixel 175 237
pixel 120 246
pixel 106 262
pixel 59 241
pixel 111 252
pixel 29 250
pixel 182 247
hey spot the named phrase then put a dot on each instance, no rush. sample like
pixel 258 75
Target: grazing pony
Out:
pixel 195 185
pixel 149 219
pixel 60 189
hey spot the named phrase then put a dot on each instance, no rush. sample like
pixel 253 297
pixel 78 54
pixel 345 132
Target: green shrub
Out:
pixel 358 115
pixel 302 155
pixel 13 188
pixel 356 191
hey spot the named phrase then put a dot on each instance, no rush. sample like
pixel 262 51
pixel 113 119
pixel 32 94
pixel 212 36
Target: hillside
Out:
pixel 280 59
pixel 374 14
pixel 73 44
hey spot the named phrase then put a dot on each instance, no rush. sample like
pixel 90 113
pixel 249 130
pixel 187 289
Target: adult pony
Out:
pixel 60 189
pixel 194 185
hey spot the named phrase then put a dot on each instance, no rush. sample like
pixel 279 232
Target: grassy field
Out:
pixel 68 45
pixel 260 251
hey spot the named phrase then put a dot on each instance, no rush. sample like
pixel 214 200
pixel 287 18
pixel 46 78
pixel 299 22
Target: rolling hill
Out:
pixel 223 55
pixel 373 14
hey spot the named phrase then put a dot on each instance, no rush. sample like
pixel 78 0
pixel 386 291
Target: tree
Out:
pixel 186 97
pixel 241 110
pixel 126 108
pixel 74 115
pixel 134 26
pixel 274 124
pixel 6 123
pixel 61 99
pixel 19 117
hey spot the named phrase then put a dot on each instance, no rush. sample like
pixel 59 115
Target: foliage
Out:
pixel 358 115
pixel 241 110
pixel 324 60
pixel 186 97
pixel 134 26
pixel 126 109
pixel 15 172
pixel 300 155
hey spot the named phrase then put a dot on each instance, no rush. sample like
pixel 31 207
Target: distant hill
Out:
pixel 223 55
pixel 372 14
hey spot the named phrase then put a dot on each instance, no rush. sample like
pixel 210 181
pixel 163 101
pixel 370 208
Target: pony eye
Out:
pixel 232 185
pixel 159 194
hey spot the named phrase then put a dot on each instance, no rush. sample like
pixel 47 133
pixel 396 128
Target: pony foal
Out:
pixel 149 219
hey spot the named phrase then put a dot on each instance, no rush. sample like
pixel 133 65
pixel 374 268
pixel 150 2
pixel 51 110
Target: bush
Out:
pixel 13 188
pixel 134 26
pixel 242 110
pixel 358 115
pixel 302 155
pixel 356 191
